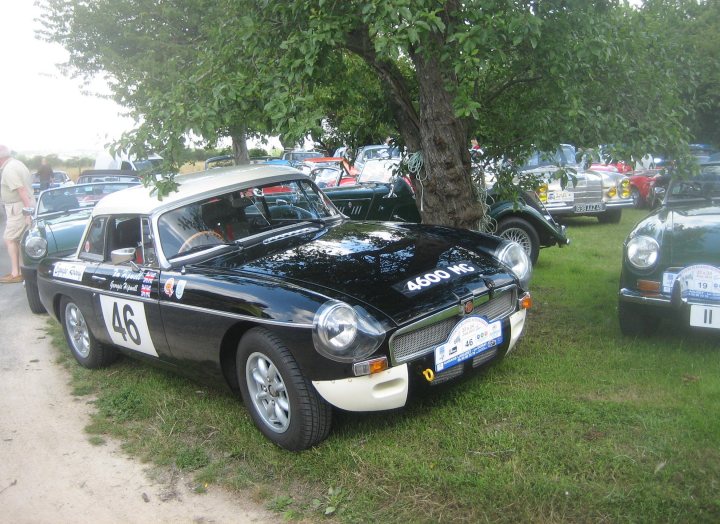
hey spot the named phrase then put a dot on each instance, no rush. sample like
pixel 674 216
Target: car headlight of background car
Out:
pixel 513 255
pixel 642 251
pixel 35 245
pixel 344 333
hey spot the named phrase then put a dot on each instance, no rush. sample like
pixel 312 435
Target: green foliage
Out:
pixel 517 75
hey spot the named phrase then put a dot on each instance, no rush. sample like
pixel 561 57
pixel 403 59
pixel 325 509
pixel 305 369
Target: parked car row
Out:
pixel 302 299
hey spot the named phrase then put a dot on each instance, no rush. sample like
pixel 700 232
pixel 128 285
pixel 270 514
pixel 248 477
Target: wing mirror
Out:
pixel 122 255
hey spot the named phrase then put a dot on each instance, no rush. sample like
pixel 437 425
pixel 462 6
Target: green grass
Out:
pixel 578 424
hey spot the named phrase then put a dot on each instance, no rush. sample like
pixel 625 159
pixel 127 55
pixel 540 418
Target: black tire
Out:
pixel 83 345
pixel 634 320
pixel 521 231
pixel 611 216
pixel 33 297
pixel 637 199
pixel 271 380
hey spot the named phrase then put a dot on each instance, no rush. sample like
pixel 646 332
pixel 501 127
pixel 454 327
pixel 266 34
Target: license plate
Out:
pixel 590 208
pixel 705 316
pixel 560 196
pixel 470 337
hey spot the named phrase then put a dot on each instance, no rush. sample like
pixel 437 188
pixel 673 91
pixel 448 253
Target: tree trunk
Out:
pixel 240 149
pixel 444 190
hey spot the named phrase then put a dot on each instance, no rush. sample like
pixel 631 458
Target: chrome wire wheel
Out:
pixel 268 392
pixel 77 329
pixel 515 234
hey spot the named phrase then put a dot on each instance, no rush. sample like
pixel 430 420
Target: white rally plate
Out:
pixel 471 336
pixel 705 316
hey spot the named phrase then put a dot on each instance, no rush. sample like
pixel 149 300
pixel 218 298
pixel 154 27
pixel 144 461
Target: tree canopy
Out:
pixel 516 74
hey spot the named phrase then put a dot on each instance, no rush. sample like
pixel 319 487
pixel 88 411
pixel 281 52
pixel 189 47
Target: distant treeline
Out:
pixel 84 162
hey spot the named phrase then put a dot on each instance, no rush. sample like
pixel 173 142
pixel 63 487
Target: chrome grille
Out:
pixel 416 341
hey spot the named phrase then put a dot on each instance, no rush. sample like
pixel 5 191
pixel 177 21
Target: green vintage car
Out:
pixel 378 195
pixel 59 219
pixel 671 260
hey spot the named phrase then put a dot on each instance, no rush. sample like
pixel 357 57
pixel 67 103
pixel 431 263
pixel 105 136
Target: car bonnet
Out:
pixel 384 265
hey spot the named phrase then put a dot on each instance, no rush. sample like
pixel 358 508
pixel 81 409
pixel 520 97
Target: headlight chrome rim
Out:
pixel 344 333
pixel 36 247
pixel 514 256
pixel 642 252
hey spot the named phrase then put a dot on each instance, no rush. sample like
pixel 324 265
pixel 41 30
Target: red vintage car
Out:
pixel 641 183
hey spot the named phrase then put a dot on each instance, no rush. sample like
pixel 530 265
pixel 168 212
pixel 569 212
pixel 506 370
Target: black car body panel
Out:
pixel 259 252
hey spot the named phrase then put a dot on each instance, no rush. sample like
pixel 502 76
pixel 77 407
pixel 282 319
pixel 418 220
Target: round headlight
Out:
pixel 344 333
pixel 513 255
pixel 642 252
pixel 35 246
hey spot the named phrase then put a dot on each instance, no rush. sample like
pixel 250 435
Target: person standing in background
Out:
pixel 16 192
pixel 44 173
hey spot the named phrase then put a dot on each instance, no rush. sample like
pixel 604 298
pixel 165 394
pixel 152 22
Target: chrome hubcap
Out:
pixel 268 393
pixel 515 234
pixel 77 330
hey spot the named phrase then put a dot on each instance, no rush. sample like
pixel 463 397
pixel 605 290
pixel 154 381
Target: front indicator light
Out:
pixel 525 302
pixel 648 286
pixel 370 367
pixel 612 192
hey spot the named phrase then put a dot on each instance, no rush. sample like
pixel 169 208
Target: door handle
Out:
pixel 96 278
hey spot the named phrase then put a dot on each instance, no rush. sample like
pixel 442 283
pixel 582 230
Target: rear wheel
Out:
pixel 611 216
pixel 83 345
pixel 33 296
pixel 284 405
pixel 634 320
pixel 521 231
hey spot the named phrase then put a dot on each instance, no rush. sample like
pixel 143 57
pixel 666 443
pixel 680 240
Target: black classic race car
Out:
pixel 671 260
pixel 250 277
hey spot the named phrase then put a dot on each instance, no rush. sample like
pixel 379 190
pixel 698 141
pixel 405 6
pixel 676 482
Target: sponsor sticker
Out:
pixel 69 271
pixel 180 289
pixel 700 281
pixel 169 287
pixel 425 281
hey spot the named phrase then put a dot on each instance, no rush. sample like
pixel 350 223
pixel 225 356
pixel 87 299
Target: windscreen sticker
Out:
pixel 126 324
pixel 69 271
pixel 698 282
pixel 428 280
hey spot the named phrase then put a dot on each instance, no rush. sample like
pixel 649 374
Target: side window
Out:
pixel 124 232
pixel 94 245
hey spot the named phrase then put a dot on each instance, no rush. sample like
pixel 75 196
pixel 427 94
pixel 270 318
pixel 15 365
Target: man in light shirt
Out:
pixel 16 193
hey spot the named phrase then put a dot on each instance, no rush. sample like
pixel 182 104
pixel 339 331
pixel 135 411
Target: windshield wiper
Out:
pixel 195 249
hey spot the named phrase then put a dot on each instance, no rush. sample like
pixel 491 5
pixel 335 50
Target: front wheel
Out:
pixel 284 405
pixel 83 345
pixel 612 216
pixel 521 231
pixel 636 198
pixel 33 296
pixel 634 320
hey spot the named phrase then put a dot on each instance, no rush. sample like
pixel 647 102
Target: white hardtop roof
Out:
pixel 194 186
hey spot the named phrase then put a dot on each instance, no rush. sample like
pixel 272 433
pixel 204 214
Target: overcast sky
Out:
pixel 42 111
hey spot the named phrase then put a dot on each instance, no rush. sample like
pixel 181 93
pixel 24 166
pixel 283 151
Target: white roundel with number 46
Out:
pixel 125 321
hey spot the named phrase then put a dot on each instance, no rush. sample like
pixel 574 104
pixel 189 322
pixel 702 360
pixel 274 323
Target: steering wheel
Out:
pixel 207 233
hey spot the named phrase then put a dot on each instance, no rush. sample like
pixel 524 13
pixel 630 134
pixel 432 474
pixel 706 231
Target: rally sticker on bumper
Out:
pixel 470 337
pixel 424 281
pixel 699 281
